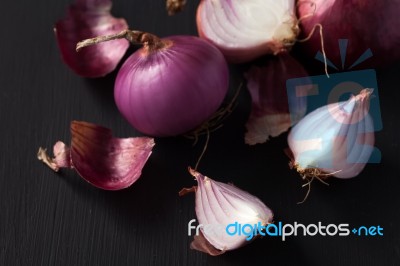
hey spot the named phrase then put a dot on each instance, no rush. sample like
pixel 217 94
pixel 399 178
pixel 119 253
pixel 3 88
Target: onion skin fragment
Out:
pixel 104 161
pixel 62 155
pixel 273 110
pixel 86 19
pixel 200 243
pixel 174 6
pixel 107 162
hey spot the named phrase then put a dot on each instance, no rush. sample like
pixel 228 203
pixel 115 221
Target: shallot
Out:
pixel 171 85
pixel 245 30
pixel 218 205
pixel 369 28
pixel 334 140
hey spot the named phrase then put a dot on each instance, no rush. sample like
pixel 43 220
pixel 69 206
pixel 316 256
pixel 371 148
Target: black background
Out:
pixel 59 219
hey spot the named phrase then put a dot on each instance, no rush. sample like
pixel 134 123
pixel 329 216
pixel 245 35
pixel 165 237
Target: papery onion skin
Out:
pixel 174 6
pixel 86 19
pixel 222 22
pixel 171 90
pixel 273 110
pixel 62 155
pixel 336 142
pixel 222 204
pixel 104 161
pixel 365 24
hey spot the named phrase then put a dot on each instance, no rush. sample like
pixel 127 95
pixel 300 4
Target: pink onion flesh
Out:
pixel 218 205
pixel 245 30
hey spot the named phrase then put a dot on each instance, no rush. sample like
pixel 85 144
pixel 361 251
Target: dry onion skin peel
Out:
pixel 174 6
pixel 218 205
pixel 364 24
pixel 270 114
pixel 245 30
pixel 169 86
pixel 86 19
pixel 334 140
pixel 104 161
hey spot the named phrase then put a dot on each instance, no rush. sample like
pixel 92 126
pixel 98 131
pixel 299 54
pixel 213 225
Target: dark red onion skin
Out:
pixel 270 96
pixel 87 19
pixel 266 83
pixel 104 161
pixel 171 90
pixel 366 24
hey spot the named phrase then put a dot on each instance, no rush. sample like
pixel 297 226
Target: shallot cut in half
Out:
pixel 274 110
pixel 334 140
pixel 86 19
pixel 245 30
pixel 217 206
pixel 171 85
pixel 104 161
pixel 367 28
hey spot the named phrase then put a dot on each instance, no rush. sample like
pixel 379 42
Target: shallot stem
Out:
pixel 45 158
pixel 322 44
pixel 204 150
pixel 175 6
pixel 135 37
pixel 219 116
pixel 308 190
pixel 185 191
pixel 313 30
pixel 310 174
pixel 215 121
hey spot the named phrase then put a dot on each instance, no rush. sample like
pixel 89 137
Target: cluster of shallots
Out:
pixel 173 85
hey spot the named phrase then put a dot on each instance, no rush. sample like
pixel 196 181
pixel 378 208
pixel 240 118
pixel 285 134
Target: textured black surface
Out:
pixel 59 219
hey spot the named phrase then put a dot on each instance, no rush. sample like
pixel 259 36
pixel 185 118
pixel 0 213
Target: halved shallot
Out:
pixel 245 30
pixel 219 205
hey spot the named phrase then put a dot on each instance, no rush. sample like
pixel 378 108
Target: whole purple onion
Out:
pixel 366 27
pixel 171 85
